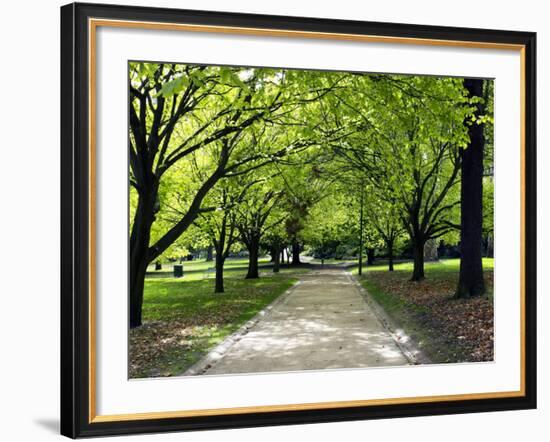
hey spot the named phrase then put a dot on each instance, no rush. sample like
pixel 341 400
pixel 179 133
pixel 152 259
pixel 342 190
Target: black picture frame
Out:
pixel 75 220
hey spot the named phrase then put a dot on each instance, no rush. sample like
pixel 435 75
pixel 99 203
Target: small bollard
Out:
pixel 178 270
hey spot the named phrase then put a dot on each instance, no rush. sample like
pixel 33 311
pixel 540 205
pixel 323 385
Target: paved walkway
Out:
pixel 323 323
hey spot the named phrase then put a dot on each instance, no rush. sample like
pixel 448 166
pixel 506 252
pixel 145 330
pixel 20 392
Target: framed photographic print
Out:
pixel 273 220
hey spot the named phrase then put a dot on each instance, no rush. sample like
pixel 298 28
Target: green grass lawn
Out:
pixel 233 268
pixel 435 268
pixel 184 319
pixel 447 330
pixel 201 264
pixel 331 261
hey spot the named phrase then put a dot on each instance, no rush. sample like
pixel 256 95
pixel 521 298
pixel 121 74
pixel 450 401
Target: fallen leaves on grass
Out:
pixel 464 325
pixel 184 319
pixel 154 340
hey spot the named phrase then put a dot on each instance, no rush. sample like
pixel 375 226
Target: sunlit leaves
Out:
pixel 305 131
pixel 174 86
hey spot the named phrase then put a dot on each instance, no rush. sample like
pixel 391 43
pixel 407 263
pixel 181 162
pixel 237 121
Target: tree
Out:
pixel 383 214
pixel 428 213
pixel 221 225
pixel 362 201
pixel 409 132
pixel 361 228
pixel 254 219
pixel 470 282
pixel 305 184
pixel 371 242
pixel 162 99
pixel 488 169
pixel 176 113
pixel 331 225
pixel 209 253
pixel 275 239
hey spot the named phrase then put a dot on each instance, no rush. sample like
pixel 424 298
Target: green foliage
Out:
pixel 332 227
pixel 435 268
pixel 314 142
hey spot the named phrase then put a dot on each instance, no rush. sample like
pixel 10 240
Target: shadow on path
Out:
pixel 322 323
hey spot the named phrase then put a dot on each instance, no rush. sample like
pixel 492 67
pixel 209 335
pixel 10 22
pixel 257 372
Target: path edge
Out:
pixel 405 343
pixel 220 350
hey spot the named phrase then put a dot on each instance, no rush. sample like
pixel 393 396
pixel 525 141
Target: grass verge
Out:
pixel 447 330
pixel 184 319
pixel 234 268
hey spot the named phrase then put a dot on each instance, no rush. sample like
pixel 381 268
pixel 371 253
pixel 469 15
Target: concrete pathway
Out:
pixel 324 322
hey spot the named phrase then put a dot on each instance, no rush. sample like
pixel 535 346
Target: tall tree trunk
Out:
pixel 141 254
pixel 253 251
pixel 220 260
pixel 139 248
pixel 370 256
pixel 277 259
pixel 390 255
pixel 138 268
pixel 418 255
pixel 209 254
pixel 272 253
pixel 296 253
pixel 470 281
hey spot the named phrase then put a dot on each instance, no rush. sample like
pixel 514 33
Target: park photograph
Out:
pixel 285 219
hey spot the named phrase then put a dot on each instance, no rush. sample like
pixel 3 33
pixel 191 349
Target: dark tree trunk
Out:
pixel 141 254
pixel 253 251
pixel 470 282
pixel 139 251
pixel 158 265
pixel 210 254
pixel 390 255
pixel 137 281
pixel 276 260
pixel 370 257
pixel 220 260
pixel 296 253
pixel 272 253
pixel 418 255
